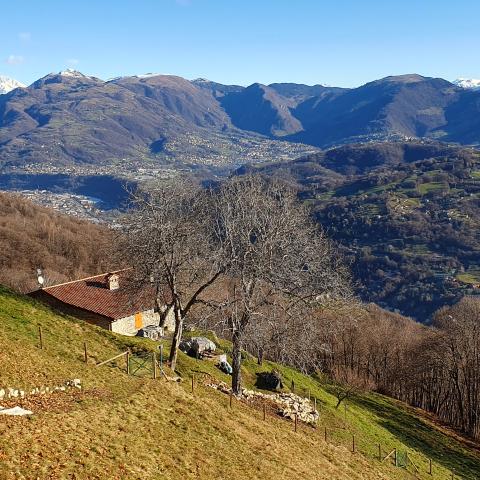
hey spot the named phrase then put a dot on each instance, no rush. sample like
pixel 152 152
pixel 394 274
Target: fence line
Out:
pixel 355 440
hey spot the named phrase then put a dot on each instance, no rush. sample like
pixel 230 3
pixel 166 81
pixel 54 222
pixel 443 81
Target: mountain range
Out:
pixel 70 117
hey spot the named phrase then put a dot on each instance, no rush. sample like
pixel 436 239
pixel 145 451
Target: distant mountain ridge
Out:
pixel 69 117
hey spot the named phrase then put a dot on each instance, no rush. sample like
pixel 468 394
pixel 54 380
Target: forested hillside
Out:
pixel 33 237
pixel 407 215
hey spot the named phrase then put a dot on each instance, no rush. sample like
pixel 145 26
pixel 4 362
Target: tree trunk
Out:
pixel 164 314
pixel 177 336
pixel 237 363
pixel 260 356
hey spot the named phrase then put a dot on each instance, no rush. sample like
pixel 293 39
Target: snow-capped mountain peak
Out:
pixel 70 72
pixel 8 84
pixel 468 83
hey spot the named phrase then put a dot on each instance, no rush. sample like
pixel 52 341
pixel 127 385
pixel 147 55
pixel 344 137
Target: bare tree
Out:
pixel 167 238
pixel 276 256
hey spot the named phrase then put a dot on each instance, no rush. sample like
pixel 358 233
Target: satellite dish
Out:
pixel 40 278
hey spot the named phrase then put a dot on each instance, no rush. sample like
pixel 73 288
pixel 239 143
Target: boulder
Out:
pixel 201 345
pixel 269 380
pixel 197 346
pixel 185 346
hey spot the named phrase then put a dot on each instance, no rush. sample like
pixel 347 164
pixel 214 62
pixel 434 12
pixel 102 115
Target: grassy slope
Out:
pixel 130 427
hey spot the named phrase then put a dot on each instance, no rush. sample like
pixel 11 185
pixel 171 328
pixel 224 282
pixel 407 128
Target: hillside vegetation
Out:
pixel 124 427
pixel 33 237
pixel 405 213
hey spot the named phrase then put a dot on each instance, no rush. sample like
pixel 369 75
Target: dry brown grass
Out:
pixel 127 427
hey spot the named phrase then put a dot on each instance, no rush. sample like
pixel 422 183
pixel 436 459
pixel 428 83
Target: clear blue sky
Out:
pixel 335 42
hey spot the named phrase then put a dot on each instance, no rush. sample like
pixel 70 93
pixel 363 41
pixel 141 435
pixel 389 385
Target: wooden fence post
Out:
pixel 430 466
pixel 127 356
pixel 325 433
pixel 161 358
pixel 395 456
pixel 40 334
pixel 315 404
pixel 85 352
pixel 379 452
pixel 293 386
pixel 264 411
pixel 353 443
pixel 296 421
pixel 154 360
pixel 193 382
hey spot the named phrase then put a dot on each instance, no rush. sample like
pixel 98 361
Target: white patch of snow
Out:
pixel 149 75
pixel 468 83
pixel 70 72
pixel 145 75
pixel 8 84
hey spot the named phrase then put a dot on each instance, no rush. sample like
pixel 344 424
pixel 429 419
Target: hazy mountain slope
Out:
pixel 179 96
pixel 299 92
pixel 261 109
pixel 79 119
pixel 72 118
pixel 408 105
pixel 217 89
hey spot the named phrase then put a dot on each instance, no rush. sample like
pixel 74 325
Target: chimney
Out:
pixel 113 283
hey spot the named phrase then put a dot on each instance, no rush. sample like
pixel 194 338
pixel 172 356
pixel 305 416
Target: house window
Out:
pixel 138 321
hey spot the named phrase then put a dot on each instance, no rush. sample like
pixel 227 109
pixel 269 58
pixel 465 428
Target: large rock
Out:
pixel 200 345
pixel 269 380
pixel 197 346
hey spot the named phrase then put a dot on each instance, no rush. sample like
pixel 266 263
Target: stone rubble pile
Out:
pixel 9 393
pixel 289 404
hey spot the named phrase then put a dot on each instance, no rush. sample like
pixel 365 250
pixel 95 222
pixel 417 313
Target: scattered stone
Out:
pixel 289 405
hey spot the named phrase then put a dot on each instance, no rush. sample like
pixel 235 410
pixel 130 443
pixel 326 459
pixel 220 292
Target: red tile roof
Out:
pixel 93 294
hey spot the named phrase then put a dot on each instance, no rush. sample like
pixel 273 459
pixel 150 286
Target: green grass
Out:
pixel 144 428
pixel 470 277
pixel 424 188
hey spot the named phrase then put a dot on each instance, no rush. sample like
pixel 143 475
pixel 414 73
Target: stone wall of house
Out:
pixel 169 320
pixel 126 325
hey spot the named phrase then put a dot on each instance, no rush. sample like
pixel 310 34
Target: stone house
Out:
pixel 111 300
